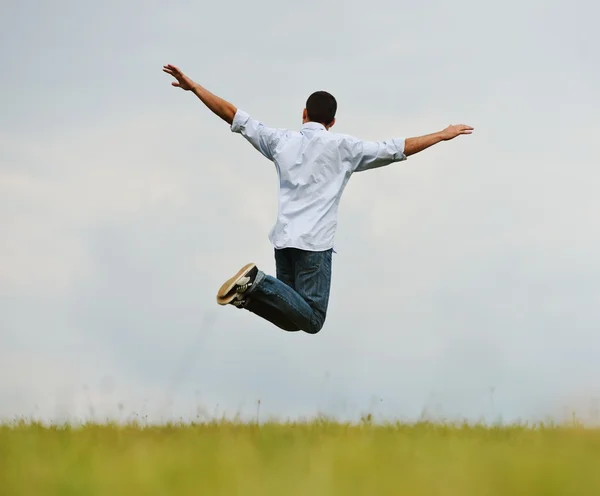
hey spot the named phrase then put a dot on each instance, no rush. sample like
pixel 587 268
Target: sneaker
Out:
pixel 239 301
pixel 236 286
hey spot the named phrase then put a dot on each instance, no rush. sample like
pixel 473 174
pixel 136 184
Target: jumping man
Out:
pixel 314 166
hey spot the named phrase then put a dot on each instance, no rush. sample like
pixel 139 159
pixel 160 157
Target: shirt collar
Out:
pixel 313 125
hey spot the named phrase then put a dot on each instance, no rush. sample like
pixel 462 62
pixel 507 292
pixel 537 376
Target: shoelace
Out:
pixel 243 284
pixel 242 287
pixel 238 301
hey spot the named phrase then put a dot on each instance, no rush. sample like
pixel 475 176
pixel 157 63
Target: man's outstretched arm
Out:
pixel 420 143
pixel 222 108
pixel 373 154
pixel 263 138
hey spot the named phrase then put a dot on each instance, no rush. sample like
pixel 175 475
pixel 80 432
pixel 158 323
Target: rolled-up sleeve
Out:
pixel 263 138
pixel 367 155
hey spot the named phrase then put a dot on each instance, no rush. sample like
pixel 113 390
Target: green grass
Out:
pixel 313 458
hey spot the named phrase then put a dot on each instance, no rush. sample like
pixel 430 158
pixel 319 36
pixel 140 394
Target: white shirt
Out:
pixel 314 166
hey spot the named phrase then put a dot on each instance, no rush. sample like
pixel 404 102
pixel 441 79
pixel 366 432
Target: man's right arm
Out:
pixel 420 143
pixel 367 155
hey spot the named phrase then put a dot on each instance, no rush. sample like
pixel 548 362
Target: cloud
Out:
pixel 124 204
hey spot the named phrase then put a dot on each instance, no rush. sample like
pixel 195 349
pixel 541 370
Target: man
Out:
pixel 314 166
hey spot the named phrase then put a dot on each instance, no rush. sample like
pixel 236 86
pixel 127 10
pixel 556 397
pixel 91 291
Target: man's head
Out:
pixel 320 107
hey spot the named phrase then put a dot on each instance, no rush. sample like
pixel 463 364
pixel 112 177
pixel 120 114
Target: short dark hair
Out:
pixel 321 107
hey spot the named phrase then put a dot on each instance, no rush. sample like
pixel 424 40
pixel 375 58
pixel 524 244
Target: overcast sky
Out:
pixel 467 279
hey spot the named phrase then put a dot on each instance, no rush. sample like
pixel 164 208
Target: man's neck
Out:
pixel 315 122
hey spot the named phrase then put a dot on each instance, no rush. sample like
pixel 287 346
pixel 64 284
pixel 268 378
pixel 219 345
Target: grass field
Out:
pixel 313 458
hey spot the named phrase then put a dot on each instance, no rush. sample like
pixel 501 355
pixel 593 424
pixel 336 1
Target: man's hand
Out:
pixel 455 130
pixel 183 82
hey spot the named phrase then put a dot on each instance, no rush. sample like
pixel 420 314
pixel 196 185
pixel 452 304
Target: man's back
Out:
pixel 314 166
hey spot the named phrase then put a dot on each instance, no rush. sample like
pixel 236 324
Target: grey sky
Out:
pixel 124 204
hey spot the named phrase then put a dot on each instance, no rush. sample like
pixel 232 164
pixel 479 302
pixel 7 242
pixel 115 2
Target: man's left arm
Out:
pixel 263 138
pixel 224 109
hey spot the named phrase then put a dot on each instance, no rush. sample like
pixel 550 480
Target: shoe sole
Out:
pixel 225 294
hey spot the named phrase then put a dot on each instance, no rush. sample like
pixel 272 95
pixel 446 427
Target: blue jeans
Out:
pixel 297 299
